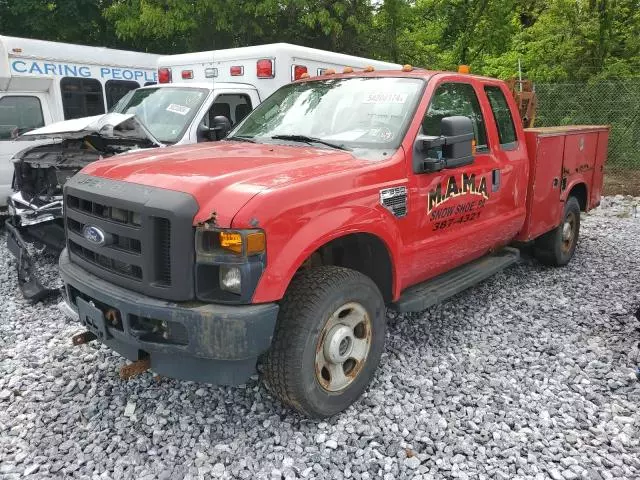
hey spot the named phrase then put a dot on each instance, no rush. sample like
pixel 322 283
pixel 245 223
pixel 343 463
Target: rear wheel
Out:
pixel 328 341
pixel 557 247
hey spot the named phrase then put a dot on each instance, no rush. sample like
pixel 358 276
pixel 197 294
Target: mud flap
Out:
pixel 29 285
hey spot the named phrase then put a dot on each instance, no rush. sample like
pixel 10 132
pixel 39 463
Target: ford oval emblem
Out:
pixel 94 235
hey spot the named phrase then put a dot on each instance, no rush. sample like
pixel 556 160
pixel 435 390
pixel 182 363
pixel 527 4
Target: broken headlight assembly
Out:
pixel 229 263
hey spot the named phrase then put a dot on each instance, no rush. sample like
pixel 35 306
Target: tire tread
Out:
pixel 295 320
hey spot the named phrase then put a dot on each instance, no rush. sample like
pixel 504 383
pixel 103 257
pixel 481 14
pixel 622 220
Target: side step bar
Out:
pixel 429 293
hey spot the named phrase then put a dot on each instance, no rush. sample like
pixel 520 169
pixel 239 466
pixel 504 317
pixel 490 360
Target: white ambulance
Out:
pixel 45 82
pixel 256 72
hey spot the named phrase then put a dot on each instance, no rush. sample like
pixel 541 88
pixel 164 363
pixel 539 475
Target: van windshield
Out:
pixel 361 112
pixel 165 111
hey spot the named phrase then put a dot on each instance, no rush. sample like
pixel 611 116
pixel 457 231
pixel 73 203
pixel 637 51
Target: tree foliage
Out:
pixel 555 40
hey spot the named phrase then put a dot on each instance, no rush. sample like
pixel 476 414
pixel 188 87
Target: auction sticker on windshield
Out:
pixel 386 97
pixel 179 109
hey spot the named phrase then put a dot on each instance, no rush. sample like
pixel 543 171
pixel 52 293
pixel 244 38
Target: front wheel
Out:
pixel 328 341
pixel 557 247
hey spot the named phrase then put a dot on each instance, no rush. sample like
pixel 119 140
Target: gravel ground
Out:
pixel 529 375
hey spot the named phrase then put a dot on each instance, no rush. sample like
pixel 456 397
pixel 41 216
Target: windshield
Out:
pixel 371 112
pixel 166 112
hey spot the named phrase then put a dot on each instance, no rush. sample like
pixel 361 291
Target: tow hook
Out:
pixel 82 338
pixel 134 369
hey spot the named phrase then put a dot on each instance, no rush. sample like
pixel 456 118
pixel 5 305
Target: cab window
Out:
pixel 81 97
pixel 502 114
pixel 19 114
pixel 451 99
pixel 234 106
pixel 116 89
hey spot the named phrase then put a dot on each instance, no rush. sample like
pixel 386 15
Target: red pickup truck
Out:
pixel 339 196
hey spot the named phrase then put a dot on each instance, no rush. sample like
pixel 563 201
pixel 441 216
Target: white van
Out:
pixel 45 82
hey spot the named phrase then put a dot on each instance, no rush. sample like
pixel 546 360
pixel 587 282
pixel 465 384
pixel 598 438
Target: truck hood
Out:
pixel 223 177
pixel 110 125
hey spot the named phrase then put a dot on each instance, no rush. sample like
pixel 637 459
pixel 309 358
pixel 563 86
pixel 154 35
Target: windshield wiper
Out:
pixel 241 138
pixel 309 140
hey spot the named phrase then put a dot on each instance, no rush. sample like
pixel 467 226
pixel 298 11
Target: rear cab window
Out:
pixel 453 99
pixel 19 114
pixel 503 117
pixel 81 97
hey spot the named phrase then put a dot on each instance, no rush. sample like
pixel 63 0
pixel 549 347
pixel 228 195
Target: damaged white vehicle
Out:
pixel 149 117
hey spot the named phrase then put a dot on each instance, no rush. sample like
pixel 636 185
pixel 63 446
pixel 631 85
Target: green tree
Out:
pixel 74 21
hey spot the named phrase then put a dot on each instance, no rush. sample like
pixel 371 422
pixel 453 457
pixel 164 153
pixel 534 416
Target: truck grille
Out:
pixel 138 246
pixel 111 264
pixel 163 250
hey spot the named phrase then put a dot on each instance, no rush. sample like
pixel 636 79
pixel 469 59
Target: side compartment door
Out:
pixel 456 207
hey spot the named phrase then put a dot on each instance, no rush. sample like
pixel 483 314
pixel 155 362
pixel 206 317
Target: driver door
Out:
pixel 455 206
pixel 235 106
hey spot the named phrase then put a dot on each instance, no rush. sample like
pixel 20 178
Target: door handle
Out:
pixel 495 180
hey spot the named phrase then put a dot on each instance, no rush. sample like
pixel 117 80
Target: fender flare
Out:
pixel 333 224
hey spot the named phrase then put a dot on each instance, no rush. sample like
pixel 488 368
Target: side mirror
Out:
pixel 219 129
pixel 221 125
pixel 456 142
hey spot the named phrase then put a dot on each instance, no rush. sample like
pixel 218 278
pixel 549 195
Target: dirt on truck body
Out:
pixel 338 197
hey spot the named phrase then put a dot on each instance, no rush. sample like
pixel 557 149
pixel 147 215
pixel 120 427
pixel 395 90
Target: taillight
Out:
pixel 264 68
pixel 187 74
pixel 298 71
pixel 236 71
pixel 164 75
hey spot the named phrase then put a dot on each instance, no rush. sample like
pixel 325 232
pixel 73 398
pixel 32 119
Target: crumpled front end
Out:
pixel 35 206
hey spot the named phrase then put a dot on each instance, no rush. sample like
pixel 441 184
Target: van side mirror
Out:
pixel 456 142
pixel 220 128
pixel 221 125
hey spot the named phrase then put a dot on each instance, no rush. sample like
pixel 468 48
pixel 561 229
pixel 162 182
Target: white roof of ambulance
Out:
pixel 45 50
pixel 272 50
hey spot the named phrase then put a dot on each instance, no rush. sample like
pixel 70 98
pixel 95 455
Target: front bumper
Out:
pixel 192 341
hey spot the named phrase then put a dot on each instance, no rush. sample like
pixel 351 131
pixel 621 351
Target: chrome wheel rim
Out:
pixel 343 347
pixel 568 232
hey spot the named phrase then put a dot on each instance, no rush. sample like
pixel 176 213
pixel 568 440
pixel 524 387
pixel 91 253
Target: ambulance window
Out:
pixel 502 114
pixel 114 90
pixel 19 115
pixel 81 97
pixel 451 99
pixel 146 84
pixel 234 106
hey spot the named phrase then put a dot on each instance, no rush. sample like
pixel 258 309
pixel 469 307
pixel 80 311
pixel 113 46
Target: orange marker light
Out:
pixel 304 75
pixel 231 241
pixel 464 69
pixel 407 68
pixel 256 243
pixel 329 71
pixel 369 68
pixel 347 70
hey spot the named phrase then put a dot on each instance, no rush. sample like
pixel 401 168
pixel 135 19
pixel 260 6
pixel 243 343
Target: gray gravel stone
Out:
pixel 529 375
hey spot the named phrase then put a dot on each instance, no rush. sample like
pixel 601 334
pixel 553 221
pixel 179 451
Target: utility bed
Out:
pixel 560 157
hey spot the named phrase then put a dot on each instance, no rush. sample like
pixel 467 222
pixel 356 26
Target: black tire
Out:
pixel 554 248
pixel 314 298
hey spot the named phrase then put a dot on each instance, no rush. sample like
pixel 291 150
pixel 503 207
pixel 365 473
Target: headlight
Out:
pixel 239 242
pixel 231 279
pixel 229 263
